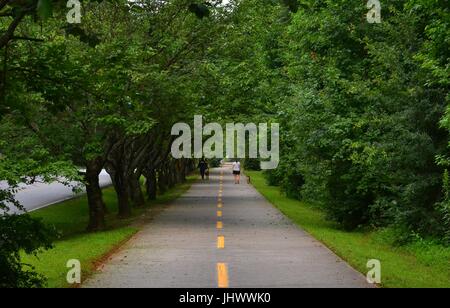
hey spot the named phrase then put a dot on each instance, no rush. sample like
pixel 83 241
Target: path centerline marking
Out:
pixel 222 275
pixel 221 242
pixel 222 271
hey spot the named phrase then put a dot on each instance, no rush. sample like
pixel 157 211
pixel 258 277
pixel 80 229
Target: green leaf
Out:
pixel 45 8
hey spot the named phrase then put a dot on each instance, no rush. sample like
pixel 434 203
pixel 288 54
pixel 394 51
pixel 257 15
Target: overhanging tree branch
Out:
pixel 6 37
pixel 24 38
pixel 3 3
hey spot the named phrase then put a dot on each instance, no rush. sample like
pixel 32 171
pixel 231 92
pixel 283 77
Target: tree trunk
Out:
pixel 119 169
pixel 181 172
pixel 190 165
pixel 172 175
pixel 121 188
pixel 95 197
pixel 150 183
pixel 162 181
pixel 135 190
pixel 123 199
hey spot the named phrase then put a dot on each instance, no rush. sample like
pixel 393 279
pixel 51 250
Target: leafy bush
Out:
pixel 214 163
pixel 252 164
pixel 361 122
pixel 21 233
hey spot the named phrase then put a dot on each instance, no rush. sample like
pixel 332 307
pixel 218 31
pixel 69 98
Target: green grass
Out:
pixel 419 265
pixel 70 219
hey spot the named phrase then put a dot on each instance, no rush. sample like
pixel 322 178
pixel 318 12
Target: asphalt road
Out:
pixel 224 235
pixel 40 195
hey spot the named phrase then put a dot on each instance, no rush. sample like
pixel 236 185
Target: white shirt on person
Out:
pixel 236 166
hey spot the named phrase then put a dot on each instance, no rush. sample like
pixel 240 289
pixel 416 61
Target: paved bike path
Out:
pixel 224 235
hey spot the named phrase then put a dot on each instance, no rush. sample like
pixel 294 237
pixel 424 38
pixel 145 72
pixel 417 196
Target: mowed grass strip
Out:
pixel 70 219
pixel 423 264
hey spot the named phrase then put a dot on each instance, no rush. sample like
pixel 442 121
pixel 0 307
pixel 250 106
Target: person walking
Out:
pixel 203 166
pixel 237 172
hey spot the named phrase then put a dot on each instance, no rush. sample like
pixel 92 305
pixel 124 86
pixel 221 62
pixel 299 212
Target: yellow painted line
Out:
pixel 219 213
pixel 221 242
pixel 222 275
pixel 220 205
pixel 219 225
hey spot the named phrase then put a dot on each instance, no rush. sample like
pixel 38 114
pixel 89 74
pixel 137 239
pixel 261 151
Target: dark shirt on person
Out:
pixel 203 165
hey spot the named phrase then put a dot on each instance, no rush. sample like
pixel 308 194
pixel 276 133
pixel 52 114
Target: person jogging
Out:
pixel 203 166
pixel 237 172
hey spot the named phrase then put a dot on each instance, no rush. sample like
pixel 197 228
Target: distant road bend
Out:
pixel 40 195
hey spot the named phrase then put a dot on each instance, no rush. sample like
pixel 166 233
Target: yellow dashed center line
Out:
pixel 221 242
pixel 222 275
pixel 222 270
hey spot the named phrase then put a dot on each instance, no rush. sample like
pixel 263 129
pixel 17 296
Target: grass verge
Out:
pixel 423 264
pixel 70 219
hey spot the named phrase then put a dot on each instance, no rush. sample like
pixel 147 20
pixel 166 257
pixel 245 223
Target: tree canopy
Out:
pixel 363 107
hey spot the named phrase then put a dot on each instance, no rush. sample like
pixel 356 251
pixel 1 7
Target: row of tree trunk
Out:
pixel 132 165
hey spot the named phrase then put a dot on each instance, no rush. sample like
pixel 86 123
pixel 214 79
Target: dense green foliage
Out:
pixel 361 115
pixel 103 94
pixel 21 233
pixel 363 107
